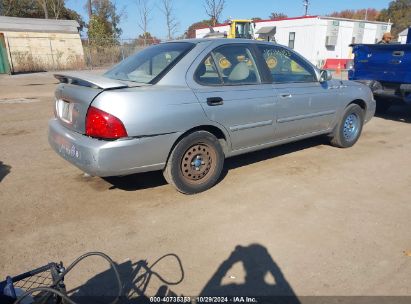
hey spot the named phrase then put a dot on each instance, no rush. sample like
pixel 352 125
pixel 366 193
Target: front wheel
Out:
pixel 195 164
pixel 349 128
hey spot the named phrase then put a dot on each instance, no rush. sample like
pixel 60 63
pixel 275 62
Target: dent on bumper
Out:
pixel 110 158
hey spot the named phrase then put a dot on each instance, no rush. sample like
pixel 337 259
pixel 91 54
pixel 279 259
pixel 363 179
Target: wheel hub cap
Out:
pixel 197 162
pixel 351 127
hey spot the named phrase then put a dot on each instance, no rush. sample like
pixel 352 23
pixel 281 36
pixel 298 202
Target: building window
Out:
pixel 291 40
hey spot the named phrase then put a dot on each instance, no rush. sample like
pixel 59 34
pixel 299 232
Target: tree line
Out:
pixel 105 16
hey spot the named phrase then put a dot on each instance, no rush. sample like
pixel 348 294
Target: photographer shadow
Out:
pixel 259 266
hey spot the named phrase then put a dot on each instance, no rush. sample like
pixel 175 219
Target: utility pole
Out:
pixel 90 12
pixel 306 3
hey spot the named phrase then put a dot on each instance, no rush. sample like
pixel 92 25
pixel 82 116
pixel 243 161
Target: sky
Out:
pixel 189 11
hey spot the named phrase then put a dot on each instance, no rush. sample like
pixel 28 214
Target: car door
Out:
pixel 228 86
pixel 304 105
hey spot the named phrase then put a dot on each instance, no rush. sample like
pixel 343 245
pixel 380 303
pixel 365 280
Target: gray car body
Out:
pixel 156 117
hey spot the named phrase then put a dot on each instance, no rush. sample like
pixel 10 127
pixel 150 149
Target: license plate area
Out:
pixel 65 110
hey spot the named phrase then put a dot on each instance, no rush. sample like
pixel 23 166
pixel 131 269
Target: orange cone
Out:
pixel 338 71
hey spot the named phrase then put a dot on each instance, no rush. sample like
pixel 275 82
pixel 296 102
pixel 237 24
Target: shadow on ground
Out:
pixel 400 112
pixel 4 170
pixel 155 179
pixel 137 181
pixel 136 278
pixel 262 277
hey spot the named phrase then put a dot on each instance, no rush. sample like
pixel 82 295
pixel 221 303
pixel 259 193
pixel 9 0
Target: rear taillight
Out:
pixel 103 125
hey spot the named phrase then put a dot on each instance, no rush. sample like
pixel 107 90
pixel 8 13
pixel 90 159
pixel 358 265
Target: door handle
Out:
pixel 286 96
pixel 215 101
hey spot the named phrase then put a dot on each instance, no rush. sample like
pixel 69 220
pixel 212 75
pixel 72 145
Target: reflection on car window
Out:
pixel 285 66
pixel 207 73
pixel 229 65
pixel 149 63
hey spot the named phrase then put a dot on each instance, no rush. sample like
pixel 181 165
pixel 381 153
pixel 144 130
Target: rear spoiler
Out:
pixel 90 80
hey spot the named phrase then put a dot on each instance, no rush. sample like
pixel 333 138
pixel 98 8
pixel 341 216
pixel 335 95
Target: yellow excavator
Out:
pixel 238 28
pixel 245 29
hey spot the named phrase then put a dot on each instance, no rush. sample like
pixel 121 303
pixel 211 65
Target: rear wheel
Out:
pixel 195 164
pixel 349 128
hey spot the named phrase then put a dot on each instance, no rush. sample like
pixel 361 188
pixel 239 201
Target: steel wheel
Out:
pixel 348 130
pixel 351 127
pixel 195 163
pixel 198 163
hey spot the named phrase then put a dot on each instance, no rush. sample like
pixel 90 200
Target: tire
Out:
pixel 349 129
pixel 195 164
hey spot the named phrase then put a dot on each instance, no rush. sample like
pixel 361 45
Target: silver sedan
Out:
pixel 183 107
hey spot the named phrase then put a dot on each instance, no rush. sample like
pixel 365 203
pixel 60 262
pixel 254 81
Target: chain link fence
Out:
pixel 105 53
pixel 55 53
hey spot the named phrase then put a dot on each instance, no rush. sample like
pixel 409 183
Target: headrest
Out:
pixel 240 72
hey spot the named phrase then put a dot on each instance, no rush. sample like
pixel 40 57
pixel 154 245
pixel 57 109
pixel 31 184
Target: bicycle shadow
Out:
pixel 263 277
pixel 136 279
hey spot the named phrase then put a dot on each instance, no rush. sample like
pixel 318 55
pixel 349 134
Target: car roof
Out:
pixel 218 40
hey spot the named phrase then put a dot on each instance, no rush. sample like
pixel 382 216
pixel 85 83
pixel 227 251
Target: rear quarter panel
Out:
pixel 154 110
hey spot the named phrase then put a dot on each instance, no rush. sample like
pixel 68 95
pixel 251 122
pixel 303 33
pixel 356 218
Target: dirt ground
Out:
pixel 310 219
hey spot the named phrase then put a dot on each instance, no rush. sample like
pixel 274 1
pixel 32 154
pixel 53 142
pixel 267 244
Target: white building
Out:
pixel 319 39
pixel 402 37
pixel 30 44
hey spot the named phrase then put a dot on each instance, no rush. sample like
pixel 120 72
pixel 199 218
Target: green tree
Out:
pixel 103 25
pixel 399 13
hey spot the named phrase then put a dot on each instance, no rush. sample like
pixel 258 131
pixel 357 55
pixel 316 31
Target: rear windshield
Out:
pixel 150 64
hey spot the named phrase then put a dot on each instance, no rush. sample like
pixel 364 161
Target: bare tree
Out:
pixel 89 8
pixel 168 10
pixel 144 12
pixel 43 4
pixel 214 8
pixel 56 6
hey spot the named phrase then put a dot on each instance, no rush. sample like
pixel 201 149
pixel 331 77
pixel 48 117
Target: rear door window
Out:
pixel 229 65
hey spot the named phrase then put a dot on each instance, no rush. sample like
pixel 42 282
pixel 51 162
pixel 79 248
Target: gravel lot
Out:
pixel 323 221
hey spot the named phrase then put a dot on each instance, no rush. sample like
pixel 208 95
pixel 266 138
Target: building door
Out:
pixel 4 61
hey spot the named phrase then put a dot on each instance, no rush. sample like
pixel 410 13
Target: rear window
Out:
pixel 150 64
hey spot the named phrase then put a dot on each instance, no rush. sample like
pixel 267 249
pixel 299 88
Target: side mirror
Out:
pixel 325 75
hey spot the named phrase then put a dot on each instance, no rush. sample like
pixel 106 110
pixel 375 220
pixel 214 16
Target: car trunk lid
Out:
pixel 76 92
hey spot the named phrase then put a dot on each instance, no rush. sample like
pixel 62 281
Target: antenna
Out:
pixel 306 3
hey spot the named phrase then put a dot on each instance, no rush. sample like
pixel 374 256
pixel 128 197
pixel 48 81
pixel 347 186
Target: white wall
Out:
pixel 200 33
pixel 402 39
pixel 310 36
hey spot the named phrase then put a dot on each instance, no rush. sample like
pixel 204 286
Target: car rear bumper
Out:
pixel 110 158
